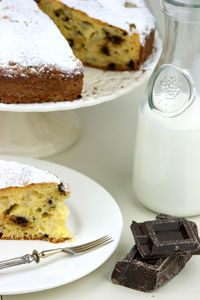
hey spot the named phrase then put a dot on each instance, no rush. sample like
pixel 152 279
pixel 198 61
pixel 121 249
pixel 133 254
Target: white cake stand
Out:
pixel 39 130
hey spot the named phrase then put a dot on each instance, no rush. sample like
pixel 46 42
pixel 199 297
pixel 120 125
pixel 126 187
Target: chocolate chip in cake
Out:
pixel 66 19
pixel 117 40
pixel 58 12
pixel 125 33
pixel 79 32
pixel 79 96
pixel 8 211
pixel 105 50
pixel 1 233
pixel 108 36
pixel 50 201
pixel 111 66
pixel 45 214
pixel 61 189
pixel 19 220
pixel 45 236
pixel 71 42
pixel 131 64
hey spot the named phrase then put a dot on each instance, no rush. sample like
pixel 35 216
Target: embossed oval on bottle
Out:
pixel 172 91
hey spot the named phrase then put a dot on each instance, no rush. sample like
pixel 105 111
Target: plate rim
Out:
pixel 97 265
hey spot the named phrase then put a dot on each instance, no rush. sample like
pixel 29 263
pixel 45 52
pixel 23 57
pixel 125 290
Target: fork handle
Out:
pixel 25 259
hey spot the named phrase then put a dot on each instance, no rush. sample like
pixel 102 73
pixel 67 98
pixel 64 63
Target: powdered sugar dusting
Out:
pixel 130 15
pixel 13 174
pixel 29 39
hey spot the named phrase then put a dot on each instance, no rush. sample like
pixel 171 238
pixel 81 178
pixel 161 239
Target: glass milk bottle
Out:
pixel 166 174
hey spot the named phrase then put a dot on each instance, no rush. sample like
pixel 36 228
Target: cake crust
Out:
pixel 36 63
pixel 53 87
pixel 51 240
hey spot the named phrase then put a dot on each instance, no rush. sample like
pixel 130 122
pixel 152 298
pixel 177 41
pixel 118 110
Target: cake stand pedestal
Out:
pixel 37 134
pixel 39 130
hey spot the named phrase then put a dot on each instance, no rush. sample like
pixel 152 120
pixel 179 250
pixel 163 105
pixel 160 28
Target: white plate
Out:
pixel 94 213
pixel 99 86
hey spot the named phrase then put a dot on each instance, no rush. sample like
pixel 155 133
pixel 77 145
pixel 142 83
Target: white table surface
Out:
pixel 105 153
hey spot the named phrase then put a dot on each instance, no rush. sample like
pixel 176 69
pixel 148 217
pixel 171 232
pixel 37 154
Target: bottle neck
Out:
pixel 185 10
pixel 182 43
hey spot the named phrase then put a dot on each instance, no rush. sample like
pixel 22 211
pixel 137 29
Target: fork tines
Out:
pixel 91 245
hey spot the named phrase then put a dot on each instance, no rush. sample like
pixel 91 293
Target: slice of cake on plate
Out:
pixel 109 34
pixel 32 204
pixel 36 62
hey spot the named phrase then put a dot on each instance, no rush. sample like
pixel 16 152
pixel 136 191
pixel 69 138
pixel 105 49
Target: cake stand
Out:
pixel 40 130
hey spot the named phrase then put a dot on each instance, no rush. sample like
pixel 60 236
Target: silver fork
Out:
pixel 76 250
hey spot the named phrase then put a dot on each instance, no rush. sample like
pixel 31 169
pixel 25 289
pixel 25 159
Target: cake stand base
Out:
pixel 37 134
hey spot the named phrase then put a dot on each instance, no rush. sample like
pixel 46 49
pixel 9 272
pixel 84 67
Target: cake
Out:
pixel 108 34
pixel 32 204
pixel 36 62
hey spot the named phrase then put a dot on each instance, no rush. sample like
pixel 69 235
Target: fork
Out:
pixel 76 250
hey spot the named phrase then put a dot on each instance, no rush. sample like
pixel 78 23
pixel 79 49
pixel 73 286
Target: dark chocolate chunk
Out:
pixel 19 220
pixel 79 97
pixel 131 64
pixel 166 237
pixel 146 275
pixel 172 218
pixel 105 50
pixel 125 33
pixel 193 224
pixel 61 188
pixel 1 233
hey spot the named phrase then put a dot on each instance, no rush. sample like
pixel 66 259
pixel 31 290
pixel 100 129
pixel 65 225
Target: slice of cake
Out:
pixel 32 204
pixel 109 34
pixel 36 62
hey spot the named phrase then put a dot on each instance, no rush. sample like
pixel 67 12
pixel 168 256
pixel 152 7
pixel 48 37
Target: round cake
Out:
pixel 37 63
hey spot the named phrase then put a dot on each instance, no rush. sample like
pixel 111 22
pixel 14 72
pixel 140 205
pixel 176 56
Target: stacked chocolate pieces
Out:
pixel 163 247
